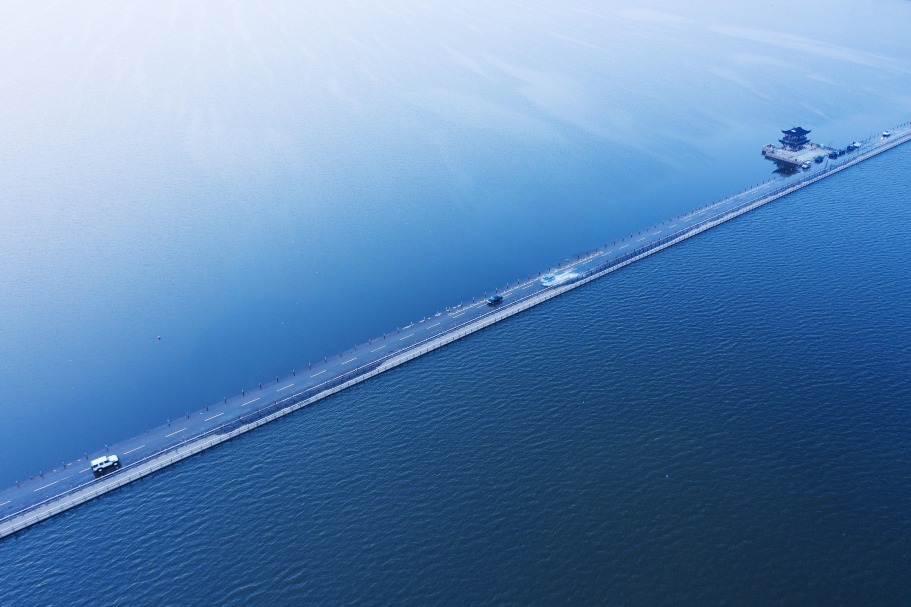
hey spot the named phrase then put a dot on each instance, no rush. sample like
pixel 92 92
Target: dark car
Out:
pixel 494 300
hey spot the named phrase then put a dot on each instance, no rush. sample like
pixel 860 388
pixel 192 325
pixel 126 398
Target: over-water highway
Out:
pixel 51 492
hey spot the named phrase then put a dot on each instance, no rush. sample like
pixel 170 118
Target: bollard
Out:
pixel 276 379
pixel 260 386
pixel 188 415
pixel 242 393
pixel 293 372
pixel 309 365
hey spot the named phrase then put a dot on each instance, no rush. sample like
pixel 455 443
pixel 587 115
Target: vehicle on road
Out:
pixel 552 280
pixel 494 300
pixel 105 465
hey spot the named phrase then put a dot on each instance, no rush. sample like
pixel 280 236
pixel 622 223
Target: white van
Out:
pixel 105 464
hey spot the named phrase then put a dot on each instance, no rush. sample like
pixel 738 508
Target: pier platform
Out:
pixel 54 491
pixel 798 157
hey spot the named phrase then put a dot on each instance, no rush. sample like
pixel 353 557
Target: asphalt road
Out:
pixel 304 383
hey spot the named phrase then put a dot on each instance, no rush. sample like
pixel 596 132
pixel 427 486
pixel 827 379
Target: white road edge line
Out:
pixel 321 372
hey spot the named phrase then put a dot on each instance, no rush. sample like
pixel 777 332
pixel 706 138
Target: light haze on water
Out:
pixel 263 185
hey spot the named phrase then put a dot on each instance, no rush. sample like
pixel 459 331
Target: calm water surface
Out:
pixel 724 422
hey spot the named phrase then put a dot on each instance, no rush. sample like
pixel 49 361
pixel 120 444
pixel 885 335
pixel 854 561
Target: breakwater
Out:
pixel 49 493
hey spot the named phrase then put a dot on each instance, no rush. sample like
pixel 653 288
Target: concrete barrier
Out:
pixel 280 407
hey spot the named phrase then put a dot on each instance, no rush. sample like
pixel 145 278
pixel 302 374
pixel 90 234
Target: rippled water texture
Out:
pixel 723 422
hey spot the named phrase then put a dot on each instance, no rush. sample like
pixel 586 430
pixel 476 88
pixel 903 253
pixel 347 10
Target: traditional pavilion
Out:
pixel 794 139
pixel 796 150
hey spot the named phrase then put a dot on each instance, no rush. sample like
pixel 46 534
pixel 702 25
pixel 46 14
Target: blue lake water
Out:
pixel 723 422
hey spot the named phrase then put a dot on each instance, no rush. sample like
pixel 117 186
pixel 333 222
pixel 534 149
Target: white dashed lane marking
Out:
pixel 51 484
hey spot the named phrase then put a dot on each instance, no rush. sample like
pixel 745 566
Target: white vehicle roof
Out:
pixel 104 459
